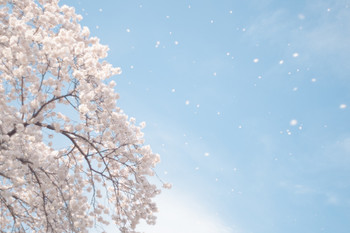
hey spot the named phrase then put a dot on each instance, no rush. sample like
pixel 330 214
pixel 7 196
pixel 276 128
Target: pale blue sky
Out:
pixel 247 102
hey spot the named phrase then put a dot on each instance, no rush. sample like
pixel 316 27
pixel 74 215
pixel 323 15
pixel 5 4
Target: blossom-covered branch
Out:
pixel 70 159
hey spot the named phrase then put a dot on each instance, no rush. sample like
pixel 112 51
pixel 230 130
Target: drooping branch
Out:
pixel 52 72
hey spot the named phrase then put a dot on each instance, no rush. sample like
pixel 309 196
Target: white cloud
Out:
pixel 344 145
pixel 327 34
pixel 178 213
pixel 332 199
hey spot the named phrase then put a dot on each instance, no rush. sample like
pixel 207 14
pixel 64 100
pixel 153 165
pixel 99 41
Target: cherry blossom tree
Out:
pixel 70 159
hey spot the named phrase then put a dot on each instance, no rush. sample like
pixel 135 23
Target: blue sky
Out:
pixel 247 102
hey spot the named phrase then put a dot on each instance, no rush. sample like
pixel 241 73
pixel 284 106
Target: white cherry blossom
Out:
pixel 70 159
